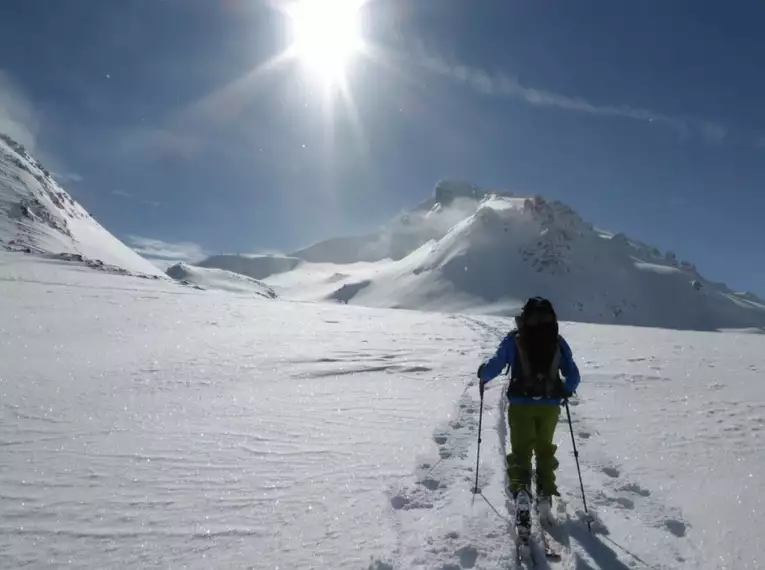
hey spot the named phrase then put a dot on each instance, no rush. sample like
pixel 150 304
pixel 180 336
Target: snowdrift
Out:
pixel 38 216
pixel 473 251
pixel 219 279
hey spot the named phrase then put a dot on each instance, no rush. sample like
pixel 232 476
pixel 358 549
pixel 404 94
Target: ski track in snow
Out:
pixel 143 424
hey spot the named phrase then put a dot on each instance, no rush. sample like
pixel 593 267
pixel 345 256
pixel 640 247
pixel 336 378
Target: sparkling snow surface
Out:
pixel 144 424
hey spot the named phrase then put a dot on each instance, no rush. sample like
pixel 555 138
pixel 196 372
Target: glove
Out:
pixel 481 383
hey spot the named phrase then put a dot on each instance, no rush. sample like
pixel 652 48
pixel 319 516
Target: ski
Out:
pixel 533 537
pixel 524 551
pixel 523 554
pixel 545 524
pixel 551 553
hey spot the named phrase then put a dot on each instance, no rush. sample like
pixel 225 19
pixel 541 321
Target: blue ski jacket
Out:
pixel 506 356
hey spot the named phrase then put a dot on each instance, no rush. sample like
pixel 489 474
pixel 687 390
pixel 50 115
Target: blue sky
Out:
pixel 161 118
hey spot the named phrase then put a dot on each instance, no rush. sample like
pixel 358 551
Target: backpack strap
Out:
pixel 555 365
pixel 524 358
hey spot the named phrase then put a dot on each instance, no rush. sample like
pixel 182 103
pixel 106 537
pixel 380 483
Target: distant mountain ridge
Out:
pixel 473 250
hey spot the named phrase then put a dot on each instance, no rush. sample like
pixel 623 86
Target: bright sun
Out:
pixel 326 35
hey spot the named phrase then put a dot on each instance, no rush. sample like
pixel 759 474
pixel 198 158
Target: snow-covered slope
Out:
pixel 513 248
pixel 490 254
pixel 147 425
pixel 37 216
pixel 255 266
pixel 451 203
pixel 219 279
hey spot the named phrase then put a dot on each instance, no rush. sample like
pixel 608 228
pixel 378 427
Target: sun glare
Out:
pixel 326 35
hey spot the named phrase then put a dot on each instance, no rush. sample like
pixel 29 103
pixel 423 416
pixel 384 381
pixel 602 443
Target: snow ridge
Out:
pixel 37 216
pixel 219 279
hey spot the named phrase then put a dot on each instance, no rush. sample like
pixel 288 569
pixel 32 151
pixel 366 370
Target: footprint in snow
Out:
pixel 440 438
pixel 414 369
pixel 430 483
pixel 676 527
pixel 467 555
pixel 399 502
pixel 585 434
pixel 614 502
pixel 636 489
pixel 624 502
pixel 612 472
pixel 404 503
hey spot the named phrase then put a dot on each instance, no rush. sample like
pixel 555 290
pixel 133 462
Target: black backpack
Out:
pixel 536 369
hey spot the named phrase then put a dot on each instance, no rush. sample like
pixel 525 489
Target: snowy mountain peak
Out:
pixel 467 249
pixel 446 191
pixel 38 216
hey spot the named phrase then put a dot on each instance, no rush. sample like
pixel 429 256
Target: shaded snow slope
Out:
pixel 219 279
pixel 509 249
pixel 149 425
pixel 37 216
pixel 255 266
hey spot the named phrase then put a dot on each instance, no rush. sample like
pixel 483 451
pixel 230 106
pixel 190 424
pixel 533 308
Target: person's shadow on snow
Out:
pixel 595 545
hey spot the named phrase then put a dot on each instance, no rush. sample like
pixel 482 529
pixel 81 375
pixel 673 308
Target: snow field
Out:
pixel 171 428
pixel 147 424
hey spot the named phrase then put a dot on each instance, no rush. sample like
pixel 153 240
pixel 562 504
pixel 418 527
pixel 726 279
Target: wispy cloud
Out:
pixel 502 85
pixel 65 177
pixel 156 249
pixel 128 196
pixel 17 115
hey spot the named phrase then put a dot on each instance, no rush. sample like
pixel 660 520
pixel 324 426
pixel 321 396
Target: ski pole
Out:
pixel 578 470
pixel 478 455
